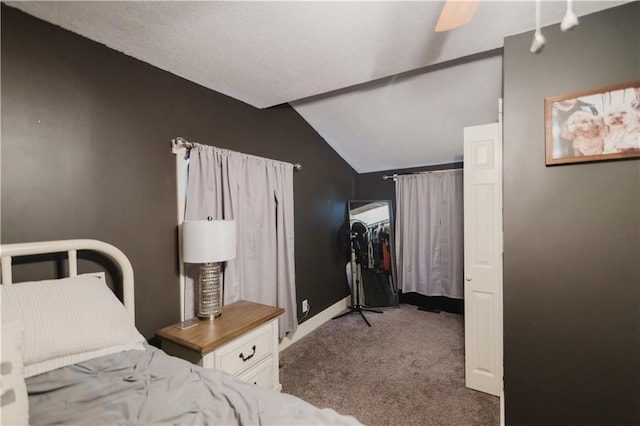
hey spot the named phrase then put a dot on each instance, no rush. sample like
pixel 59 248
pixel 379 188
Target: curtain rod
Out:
pixel 426 172
pixel 179 142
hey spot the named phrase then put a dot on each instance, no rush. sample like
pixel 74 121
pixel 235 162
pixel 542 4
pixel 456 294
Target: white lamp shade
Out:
pixel 205 241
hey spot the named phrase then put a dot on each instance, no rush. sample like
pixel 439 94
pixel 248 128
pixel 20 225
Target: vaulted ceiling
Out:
pixel 372 78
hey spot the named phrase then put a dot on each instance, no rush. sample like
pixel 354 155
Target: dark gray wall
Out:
pixel 571 239
pixel 85 154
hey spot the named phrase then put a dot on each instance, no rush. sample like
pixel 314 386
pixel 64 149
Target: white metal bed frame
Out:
pixel 9 251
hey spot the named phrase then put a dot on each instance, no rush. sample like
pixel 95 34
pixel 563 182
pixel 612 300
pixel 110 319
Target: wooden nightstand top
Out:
pixel 237 318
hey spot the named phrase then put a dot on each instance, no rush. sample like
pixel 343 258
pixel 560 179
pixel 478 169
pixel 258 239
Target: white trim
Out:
pixel 315 322
pixel 70 246
pixel 502 408
pixel 502 402
pixel 181 184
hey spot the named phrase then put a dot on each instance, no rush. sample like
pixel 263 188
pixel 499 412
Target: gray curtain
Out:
pixel 258 194
pixel 429 233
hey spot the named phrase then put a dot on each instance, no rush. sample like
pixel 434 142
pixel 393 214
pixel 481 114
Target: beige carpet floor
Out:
pixel 407 369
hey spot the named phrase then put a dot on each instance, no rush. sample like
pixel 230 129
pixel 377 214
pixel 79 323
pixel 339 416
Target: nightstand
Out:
pixel 242 342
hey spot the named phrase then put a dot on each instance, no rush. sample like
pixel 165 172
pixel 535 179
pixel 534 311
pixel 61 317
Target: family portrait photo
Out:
pixel 593 125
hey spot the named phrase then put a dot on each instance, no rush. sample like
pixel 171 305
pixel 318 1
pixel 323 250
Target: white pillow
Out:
pixel 15 401
pixel 67 321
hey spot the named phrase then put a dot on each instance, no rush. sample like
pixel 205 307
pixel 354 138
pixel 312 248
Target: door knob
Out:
pixel 468 277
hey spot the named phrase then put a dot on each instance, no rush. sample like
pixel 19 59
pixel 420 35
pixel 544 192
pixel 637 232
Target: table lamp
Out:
pixel 209 242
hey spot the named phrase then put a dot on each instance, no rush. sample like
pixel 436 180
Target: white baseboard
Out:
pixel 315 322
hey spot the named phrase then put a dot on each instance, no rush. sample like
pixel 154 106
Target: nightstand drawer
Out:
pixel 261 375
pixel 245 352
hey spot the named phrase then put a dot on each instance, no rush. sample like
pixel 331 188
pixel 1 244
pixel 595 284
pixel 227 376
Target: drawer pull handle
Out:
pixel 248 357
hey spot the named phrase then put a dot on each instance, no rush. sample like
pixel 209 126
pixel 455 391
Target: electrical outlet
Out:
pixel 305 306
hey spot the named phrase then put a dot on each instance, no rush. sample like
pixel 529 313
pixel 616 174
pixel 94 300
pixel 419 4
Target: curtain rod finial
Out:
pixel 179 143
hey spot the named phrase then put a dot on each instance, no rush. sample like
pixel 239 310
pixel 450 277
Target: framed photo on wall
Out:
pixel 593 125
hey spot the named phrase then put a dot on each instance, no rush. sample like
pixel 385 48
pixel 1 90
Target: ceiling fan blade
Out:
pixel 456 13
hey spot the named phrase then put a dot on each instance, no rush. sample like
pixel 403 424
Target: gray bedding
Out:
pixel 150 387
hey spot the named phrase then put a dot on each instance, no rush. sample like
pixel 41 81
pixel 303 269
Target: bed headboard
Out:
pixel 9 251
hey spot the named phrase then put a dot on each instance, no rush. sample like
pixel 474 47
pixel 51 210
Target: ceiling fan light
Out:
pixel 538 38
pixel 569 21
pixel 538 42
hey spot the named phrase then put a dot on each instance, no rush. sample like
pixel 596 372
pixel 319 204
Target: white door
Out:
pixel 483 257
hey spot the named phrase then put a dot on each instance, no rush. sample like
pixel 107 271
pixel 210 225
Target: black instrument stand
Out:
pixel 355 305
pixel 358 308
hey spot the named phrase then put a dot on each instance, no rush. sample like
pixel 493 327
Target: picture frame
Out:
pixel 593 125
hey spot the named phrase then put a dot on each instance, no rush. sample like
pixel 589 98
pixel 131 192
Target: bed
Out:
pixel 71 355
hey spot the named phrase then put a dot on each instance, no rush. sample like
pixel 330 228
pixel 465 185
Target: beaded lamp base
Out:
pixel 209 291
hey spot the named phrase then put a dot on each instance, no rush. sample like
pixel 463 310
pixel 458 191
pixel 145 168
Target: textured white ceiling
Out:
pixel 408 121
pixel 266 53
